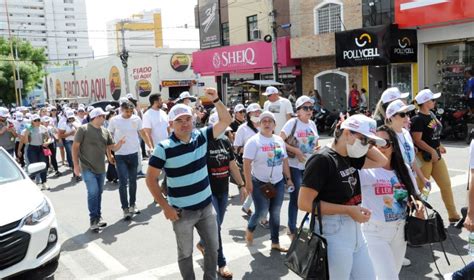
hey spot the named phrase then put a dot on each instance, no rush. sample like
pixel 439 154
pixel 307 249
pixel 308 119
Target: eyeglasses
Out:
pixel 306 108
pixel 402 114
pixel 36 120
pixel 387 145
pixel 363 139
pixel 241 111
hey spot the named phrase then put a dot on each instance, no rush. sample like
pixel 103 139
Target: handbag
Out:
pixel 292 141
pixel 267 189
pixel 421 232
pixel 307 255
pixel 47 152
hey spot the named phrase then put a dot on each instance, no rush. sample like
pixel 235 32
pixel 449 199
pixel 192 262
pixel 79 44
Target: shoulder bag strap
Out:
pixel 316 206
pixel 294 127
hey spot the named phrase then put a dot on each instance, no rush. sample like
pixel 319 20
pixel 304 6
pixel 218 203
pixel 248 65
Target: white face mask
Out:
pixel 357 150
pixel 255 119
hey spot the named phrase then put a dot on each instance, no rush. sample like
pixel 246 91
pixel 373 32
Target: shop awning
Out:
pixel 262 83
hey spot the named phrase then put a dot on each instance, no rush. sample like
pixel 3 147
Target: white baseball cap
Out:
pixel 270 90
pixel 179 110
pixel 393 93
pixel 131 97
pixel 239 107
pixel 90 108
pixel 35 117
pixel 398 106
pixel 426 95
pixel 123 100
pixel 4 113
pixel 97 112
pixel 69 114
pixel 267 114
pixel 213 118
pixel 253 108
pixel 45 119
pixel 81 109
pixel 186 94
pixel 19 116
pixel 109 108
pixel 302 100
pixel 364 125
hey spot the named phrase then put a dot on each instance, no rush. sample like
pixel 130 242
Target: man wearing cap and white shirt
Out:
pixel 155 120
pixel 7 132
pixel 389 95
pixel 426 133
pixel 129 126
pixel 66 130
pixel 91 143
pixel 279 106
pixel 183 157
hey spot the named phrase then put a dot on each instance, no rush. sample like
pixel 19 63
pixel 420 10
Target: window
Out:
pixel 333 87
pixel 68 1
pixel 225 34
pixel 252 24
pixel 69 17
pixel 70 32
pixel 377 12
pixel 328 18
pixel 71 39
pixel 72 47
pixel 70 24
pixel 69 9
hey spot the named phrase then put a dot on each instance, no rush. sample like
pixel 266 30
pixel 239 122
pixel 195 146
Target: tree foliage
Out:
pixel 30 63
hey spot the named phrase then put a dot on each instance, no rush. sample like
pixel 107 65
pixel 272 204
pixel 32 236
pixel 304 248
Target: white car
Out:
pixel 28 226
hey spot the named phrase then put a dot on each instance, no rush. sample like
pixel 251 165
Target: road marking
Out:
pixel 456 181
pixel 233 251
pixel 73 267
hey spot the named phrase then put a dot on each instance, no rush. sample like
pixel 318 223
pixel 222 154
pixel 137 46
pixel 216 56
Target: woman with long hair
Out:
pixel 426 131
pixel 389 95
pixel 387 191
pixel 331 177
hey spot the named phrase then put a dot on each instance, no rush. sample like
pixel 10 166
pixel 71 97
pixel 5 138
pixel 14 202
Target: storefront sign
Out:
pixel 209 24
pixel 363 46
pixel 177 83
pixel 413 13
pixel 245 58
pixel 403 45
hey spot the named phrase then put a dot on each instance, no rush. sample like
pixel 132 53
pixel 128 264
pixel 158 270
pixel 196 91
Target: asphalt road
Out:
pixel 145 247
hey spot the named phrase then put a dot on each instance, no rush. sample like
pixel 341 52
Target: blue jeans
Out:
pixel 466 272
pixel 348 253
pixel 68 148
pixel 127 171
pixel 95 185
pixel 35 154
pixel 296 177
pixel 262 205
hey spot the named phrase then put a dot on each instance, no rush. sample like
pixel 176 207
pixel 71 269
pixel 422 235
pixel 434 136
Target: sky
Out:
pixel 175 13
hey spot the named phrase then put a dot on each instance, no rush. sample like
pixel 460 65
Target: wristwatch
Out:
pixel 241 186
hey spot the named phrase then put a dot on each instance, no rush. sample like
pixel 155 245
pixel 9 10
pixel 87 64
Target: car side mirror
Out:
pixel 35 168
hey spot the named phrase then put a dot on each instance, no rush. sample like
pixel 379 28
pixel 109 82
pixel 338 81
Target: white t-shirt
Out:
pixel 120 127
pixel 157 121
pixel 266 152
pixel 471 156
pixel 383 194
pixel 68 127
pixel 280 108
pixel 406 146
pixel 243 134
pixel 307 135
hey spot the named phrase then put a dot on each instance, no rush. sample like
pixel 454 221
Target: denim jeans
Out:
pixel 204 220
pixel 263 204
pixel 387 247
pixel 348 255
pixel 35 154
pixel 68 148
pixel 466 272
pixel 127 173
pixel 296 177
pixel 95 185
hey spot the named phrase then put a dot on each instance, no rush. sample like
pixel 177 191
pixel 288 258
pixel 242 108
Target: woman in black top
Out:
pixel 331 176
pixel 426 131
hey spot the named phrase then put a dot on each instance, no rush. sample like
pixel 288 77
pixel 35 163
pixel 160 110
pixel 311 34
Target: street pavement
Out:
pixel 145 248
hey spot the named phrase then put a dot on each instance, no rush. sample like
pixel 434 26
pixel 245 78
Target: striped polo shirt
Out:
pixel 186 169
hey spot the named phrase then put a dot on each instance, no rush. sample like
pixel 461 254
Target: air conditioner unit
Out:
pixel 256 34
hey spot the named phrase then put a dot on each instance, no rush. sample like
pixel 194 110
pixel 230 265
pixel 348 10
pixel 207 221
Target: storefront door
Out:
pixel 333 88
pixel 377 84
pixel 401 78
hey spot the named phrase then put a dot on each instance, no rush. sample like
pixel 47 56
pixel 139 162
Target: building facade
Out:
pixel 60 27
pixel 143 31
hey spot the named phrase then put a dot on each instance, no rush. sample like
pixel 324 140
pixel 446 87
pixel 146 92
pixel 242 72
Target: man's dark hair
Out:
pixel 127 105
pixel 154 97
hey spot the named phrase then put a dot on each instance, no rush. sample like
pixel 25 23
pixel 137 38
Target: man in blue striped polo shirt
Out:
pixel 183 158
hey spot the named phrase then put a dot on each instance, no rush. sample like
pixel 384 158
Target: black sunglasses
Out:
pixel 306 108
pixel 241 111
pixel 36 120
pixel 363 139
pixel 402 114
pixel 387 145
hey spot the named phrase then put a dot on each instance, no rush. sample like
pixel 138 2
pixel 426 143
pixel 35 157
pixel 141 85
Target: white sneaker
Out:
pixel 406 262
pixel 43 186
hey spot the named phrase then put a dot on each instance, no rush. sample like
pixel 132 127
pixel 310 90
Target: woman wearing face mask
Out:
pixel 331 177
pixel 265 161
pixel 387 191
pixel 426 131
pixel 37 138
pixel 243 134
pixel 305 131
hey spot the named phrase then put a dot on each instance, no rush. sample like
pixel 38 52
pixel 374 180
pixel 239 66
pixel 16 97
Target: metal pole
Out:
pixel 18 101
pixel 125 65
pixel 74 83
pixel 274 43
pixel 18 68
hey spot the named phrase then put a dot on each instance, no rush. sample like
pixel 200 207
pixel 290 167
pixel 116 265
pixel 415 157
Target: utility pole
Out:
pixel 124 58
pixel 274 27
pixel 18 100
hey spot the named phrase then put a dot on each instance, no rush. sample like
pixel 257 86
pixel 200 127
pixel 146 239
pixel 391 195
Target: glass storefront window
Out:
pixel 444 71
pixel 333 88
pixel 401 77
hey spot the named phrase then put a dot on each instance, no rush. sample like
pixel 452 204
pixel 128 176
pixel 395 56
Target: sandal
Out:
pixel 225 273
pixel 200 248
pixel 248 237
pixel 278 248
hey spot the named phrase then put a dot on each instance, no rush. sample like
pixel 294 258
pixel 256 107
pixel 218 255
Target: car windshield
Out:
pixel 9 172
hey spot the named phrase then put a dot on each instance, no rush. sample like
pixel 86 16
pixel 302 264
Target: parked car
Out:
pixel 28 226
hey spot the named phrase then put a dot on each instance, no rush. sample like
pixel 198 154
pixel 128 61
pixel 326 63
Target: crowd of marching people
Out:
pixel 366 181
